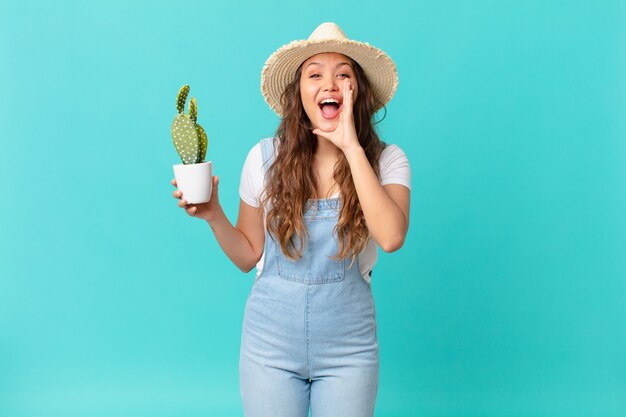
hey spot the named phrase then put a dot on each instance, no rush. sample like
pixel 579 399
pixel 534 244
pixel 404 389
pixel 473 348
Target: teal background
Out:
pixel 507 299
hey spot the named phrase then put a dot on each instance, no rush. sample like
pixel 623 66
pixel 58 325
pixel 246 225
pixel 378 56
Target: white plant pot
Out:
pixel 195 181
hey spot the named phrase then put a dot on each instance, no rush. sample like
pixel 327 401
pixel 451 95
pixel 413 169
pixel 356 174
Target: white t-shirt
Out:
pixel 394 169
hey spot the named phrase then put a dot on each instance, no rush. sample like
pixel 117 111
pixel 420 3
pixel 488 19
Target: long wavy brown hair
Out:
pixel 290 181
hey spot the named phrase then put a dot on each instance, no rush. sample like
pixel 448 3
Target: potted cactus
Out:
pixel 193 175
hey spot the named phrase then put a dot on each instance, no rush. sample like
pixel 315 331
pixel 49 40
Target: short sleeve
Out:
pixel 394 167
pixel 251 184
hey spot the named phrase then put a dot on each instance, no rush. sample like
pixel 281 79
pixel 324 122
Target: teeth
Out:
pixel 329 100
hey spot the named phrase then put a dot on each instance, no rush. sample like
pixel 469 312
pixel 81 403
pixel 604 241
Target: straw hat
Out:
pixel 280 68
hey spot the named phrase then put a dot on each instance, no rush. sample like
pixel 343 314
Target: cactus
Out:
pixel 202 143
pixel 193 110
pixel 182 97
pixel 189 137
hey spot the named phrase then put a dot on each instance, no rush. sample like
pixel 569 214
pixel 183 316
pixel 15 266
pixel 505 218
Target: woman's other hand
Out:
pixel 206 211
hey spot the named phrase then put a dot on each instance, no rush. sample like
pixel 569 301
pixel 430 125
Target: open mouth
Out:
pixel 330 108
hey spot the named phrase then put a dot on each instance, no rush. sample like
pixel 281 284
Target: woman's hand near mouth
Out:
pixel 344 136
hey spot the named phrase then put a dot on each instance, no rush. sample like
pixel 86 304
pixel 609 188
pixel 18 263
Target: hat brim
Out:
pixel 280 68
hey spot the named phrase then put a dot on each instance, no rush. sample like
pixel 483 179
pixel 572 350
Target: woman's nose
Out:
pixel 331 84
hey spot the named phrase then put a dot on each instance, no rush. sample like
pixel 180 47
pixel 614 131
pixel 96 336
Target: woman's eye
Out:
pixel 314 75
pixel 344 75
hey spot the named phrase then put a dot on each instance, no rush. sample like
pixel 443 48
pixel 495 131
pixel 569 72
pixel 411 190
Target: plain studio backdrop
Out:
pixel 507 299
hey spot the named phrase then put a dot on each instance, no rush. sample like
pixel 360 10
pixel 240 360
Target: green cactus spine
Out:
pixel 189 137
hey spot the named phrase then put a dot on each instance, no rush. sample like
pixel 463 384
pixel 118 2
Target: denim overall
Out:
pixel 309 329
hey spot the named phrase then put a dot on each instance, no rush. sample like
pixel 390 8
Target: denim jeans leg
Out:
pixel 351 392
pixel 272 392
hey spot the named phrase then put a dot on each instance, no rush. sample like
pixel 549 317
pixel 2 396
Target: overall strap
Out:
pixel 267 153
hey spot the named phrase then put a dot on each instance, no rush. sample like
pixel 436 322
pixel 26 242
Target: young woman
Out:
pixel 316 201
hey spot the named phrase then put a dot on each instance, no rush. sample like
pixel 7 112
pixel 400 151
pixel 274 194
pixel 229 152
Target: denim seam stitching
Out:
pixel 307 313
pixel 319 280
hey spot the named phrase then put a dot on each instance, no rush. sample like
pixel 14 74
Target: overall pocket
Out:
pixel 316 266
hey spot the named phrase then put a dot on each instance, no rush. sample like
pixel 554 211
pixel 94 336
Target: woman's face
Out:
pixel 322 82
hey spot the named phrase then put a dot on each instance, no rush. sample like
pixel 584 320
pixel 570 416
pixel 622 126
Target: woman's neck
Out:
pixel 326 151
pixel 324 161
